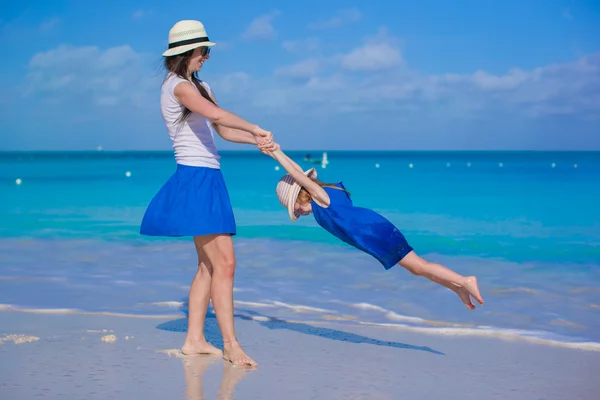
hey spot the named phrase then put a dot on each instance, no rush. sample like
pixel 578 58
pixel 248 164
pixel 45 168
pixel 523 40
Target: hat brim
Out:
pixel 182 49
pixel 295 191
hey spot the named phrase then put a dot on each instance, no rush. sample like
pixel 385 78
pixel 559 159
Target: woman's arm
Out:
pixel 235 135
pixel 316 191
pixel 188 95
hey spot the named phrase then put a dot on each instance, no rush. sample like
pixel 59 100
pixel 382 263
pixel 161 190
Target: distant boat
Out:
pixel 323 160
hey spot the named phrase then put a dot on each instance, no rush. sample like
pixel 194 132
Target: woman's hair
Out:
pixel 304 197
pixel 178 65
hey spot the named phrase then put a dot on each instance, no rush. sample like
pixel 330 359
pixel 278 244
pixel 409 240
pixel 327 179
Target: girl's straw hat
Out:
pixel 185 36
pixel 288 190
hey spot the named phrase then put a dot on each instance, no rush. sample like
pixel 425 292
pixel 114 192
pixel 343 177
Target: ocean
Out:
pixel 527 224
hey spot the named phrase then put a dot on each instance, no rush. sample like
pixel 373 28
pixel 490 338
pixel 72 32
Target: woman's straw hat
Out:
pixel 288 190
pixel 185 36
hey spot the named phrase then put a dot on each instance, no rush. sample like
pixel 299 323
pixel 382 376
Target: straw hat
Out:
pixel 185 36
pixel 288 190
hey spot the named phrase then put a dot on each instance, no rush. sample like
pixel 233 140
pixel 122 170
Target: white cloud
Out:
pixel 261 27
pixel 301 46
pixel 485 81
pixel 341 18
pixel 372 57
pixel 571 88
pixel 138 14
pixel 90 75
pixel 303 69
pixel 49 24
pixel 370 79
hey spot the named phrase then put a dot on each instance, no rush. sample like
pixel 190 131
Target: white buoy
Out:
pixel 410 165
pixel 277 168
pixel 553 165
pixel 376 165
pixel 128 174
pixel 574 165
pixel 501 165
pixel 468 164
pixel 18 181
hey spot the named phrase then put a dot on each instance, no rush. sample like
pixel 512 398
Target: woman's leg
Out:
pixel 465 287
pixel 220 254
pixel 195 342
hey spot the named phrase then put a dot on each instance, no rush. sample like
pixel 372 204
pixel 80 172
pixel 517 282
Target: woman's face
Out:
pixel 197 59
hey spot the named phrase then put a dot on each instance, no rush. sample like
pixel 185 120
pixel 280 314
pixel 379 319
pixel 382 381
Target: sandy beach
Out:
pixel 77 356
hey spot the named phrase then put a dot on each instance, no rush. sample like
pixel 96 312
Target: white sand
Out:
pixel 296 361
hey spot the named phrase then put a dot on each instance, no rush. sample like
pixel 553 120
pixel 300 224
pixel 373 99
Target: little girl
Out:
pixel 302 194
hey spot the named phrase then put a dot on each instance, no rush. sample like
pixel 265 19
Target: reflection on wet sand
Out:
pixel 196 366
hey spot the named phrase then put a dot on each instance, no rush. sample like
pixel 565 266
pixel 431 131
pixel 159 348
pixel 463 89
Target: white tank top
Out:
pixel 193 138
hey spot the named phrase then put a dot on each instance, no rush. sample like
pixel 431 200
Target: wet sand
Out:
pixel 79 356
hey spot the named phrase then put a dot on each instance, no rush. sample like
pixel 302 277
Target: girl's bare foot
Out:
pixel 200 348
pixel 234 353
pixel 467 290
pixel 471 285
pixel 465 297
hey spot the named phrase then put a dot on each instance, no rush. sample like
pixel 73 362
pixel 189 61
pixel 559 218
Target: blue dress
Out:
pixel 362 228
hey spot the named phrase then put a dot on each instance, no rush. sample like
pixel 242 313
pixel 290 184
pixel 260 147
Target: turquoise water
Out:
pixel 526 223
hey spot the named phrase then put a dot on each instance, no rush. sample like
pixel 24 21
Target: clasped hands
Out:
pixel 265 142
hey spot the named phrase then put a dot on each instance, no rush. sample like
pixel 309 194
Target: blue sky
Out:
pixel 331 74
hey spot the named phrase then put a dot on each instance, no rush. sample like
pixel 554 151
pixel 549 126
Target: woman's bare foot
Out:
pixel 234 353
pixel 200 348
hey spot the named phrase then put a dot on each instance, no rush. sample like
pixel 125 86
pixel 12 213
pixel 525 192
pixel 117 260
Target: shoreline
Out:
pixel 488 332
pixel 99 356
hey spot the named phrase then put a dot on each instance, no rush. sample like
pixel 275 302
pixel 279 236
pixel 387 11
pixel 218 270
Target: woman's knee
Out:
pixel 218 250
pixel 225 267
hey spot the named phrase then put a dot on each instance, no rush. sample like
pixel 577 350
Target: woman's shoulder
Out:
pixel 171 80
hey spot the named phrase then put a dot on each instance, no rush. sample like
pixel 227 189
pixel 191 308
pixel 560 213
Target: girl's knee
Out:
pixel 414 269
pixel 413 264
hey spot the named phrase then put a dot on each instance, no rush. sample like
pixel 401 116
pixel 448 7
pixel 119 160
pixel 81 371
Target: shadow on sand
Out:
pixel 213 334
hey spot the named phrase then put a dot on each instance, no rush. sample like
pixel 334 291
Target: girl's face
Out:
pixel 199 55
pixel 302 209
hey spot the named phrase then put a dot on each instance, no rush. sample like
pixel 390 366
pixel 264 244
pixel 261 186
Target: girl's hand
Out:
pixel 267 146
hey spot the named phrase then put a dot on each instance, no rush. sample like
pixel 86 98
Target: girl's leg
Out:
pixel 195 342
pixel 220 254
pixel 465 287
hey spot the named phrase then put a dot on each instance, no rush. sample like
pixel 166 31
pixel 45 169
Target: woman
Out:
pixel 194 201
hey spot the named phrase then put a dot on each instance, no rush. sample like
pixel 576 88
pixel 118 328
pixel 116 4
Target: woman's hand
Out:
pixel 266 146
pixel 261 133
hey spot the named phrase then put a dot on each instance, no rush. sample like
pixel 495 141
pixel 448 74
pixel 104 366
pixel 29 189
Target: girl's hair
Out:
pixel 178 65
pixel 304 197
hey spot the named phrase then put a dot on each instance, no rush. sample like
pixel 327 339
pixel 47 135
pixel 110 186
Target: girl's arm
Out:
pixel 316 191
pixel 298 167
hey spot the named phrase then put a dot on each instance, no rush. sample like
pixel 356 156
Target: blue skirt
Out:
pixel 193 202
